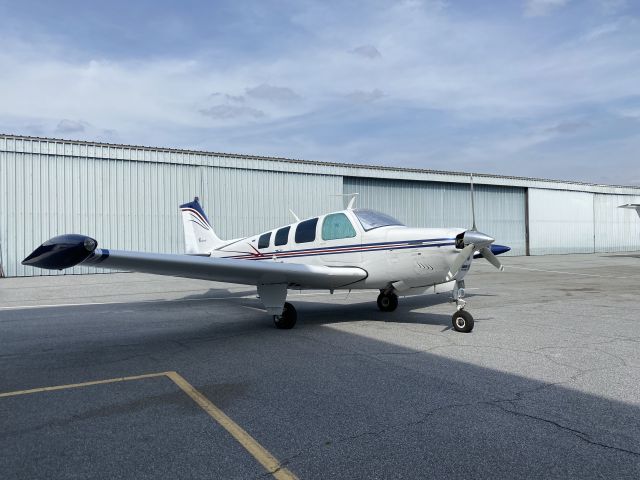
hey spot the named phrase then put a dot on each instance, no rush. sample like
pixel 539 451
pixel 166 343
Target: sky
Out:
pixel 537 88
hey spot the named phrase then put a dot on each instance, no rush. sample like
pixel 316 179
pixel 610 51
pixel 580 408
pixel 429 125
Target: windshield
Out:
pixel 370 219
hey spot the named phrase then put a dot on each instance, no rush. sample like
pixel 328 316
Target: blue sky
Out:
pixel 543 88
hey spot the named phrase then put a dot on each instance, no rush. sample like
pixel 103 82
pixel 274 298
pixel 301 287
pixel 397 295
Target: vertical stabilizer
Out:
pixel 199 237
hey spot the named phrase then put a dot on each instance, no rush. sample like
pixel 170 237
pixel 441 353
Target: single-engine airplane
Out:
pixel 354 248
pixel 633 206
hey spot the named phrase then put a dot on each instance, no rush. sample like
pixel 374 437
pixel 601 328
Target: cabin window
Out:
pixel 337 225
pixel 282 236
pixel 306 231
pixel 263 241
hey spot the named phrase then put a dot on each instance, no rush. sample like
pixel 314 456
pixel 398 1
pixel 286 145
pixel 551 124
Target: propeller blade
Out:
pixel 459 260
pixel 491 258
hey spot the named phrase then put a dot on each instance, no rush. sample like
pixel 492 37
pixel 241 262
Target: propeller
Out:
pixel 470 241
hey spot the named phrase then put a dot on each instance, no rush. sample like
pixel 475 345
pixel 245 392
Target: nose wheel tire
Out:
pixel 462 321
pixel 287 319
pixel 387 302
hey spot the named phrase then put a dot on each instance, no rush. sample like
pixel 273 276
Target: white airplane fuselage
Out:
pixel 411 259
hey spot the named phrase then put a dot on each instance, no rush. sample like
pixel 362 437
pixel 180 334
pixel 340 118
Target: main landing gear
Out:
pixel 287 319
pixel 387 301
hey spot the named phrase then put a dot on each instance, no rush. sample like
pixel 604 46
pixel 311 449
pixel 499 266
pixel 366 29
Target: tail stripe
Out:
pixel 197 214
pixel 198 222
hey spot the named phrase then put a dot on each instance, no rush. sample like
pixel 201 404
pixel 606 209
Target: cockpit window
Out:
pixel 336 226
pixel 370 219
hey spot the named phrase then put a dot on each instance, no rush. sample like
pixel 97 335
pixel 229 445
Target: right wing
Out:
pixel 69 250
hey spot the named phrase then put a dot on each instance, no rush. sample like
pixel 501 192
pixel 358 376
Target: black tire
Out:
pixel 387 302
pixel 288 318
pixel 462 321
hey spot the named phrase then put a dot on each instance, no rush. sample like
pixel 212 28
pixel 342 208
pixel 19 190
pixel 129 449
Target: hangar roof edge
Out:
pixel 486 178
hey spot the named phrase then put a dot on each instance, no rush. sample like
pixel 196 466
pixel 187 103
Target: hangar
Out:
pixel 127 197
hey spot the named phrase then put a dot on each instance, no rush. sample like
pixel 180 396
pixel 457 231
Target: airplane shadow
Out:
pixel 345 308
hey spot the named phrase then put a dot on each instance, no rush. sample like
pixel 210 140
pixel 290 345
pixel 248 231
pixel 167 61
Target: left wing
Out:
pixel 67 251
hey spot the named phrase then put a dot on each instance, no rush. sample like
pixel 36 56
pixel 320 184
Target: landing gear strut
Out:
pixel 387 302
pixel 462 320
pixel 287 319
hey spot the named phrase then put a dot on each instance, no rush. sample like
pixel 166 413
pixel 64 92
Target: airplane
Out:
pixel 355 248
pixel 632 206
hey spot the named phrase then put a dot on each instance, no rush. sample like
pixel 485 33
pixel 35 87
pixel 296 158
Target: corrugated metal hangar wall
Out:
pixel 127 198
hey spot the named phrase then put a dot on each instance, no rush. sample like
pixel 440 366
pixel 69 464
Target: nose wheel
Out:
pixel 287 319
pixel 462 321
pixel 387 302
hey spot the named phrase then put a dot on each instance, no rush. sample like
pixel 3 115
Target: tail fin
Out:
pixel 199 237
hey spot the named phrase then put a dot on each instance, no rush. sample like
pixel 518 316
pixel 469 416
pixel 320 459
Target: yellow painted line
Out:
pixel 267 460
pixel 78 385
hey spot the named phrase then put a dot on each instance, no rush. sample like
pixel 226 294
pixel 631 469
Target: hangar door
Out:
pixel 616 229
pixel 500 211
pixel 560 221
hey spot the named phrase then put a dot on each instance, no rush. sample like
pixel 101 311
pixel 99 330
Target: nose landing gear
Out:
pixel 462 320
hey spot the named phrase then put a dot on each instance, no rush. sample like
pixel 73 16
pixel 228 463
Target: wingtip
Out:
pixel 63 251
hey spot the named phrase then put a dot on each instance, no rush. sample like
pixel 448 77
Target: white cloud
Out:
pixel 537 8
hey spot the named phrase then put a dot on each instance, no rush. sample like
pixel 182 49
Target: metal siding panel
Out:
pixel 4 187
pixel 560 222
pixel 245 202
pixel 616 229
pixel 500 211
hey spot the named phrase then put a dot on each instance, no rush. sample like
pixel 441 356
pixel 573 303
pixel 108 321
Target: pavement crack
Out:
pixel 577 433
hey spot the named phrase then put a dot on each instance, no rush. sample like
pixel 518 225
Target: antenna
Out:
pixel 351 202
pixel 294 215
pixel 473 207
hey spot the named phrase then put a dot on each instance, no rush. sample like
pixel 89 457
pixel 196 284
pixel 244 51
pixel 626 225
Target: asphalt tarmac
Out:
pixel 546 386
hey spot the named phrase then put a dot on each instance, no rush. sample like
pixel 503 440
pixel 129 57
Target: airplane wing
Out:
pixel 67 251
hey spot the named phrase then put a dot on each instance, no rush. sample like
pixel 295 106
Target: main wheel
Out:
pixel 462 321
pixel 288 318
pixel 387 302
